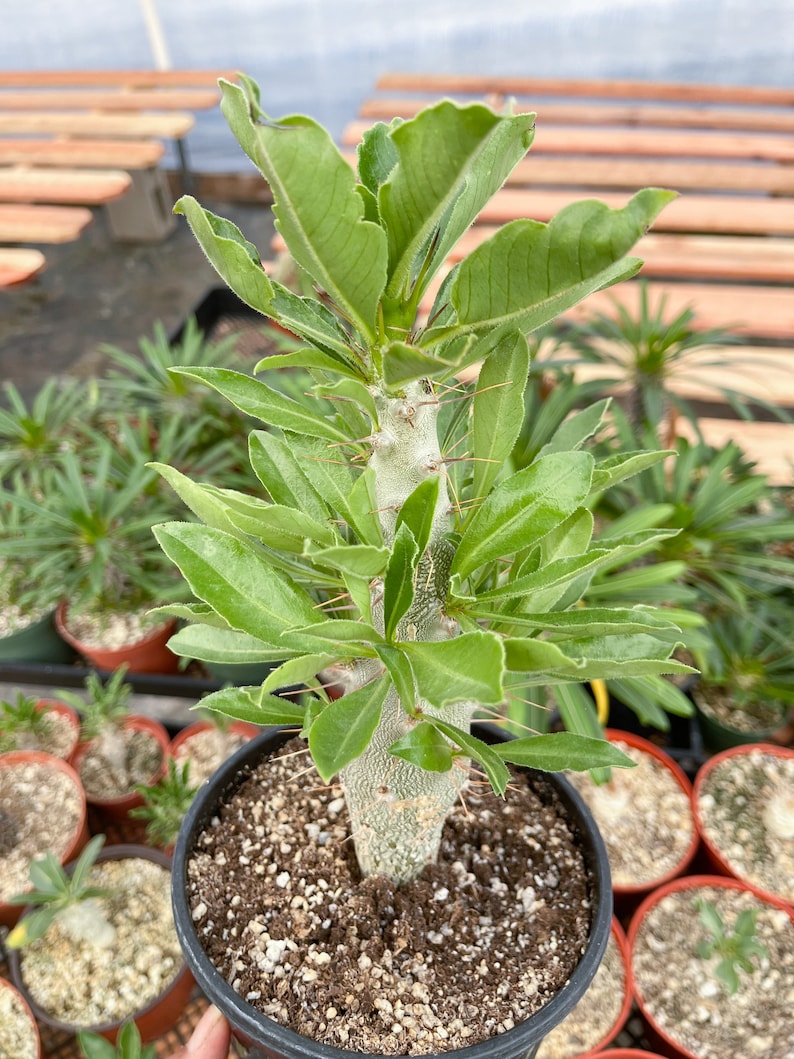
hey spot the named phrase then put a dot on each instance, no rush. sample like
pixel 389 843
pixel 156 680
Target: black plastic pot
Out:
pixel 274 1041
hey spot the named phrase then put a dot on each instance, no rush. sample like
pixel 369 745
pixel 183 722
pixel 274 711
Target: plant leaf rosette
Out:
pixel 678 981
pixel 395 555
pixel 743 805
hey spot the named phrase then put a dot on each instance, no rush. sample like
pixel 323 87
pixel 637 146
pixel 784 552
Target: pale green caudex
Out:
pixel 425 584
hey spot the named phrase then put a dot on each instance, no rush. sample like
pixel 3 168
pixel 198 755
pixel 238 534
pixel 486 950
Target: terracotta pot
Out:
pixel 719 736
pixel 628 895
pixel 659 1036
pixel 149 655
pixel 621 941
pixel 183 737
pixel 118 808
pixel 718 860
pixel 19 1004
pixel 279 1042
pixel 54 706
pixel 10 914
pixel 628 1053
pixel 156 1017
pixel 37 642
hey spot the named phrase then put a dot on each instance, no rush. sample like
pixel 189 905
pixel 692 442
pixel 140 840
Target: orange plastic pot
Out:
pixel 148 655
pixel 117 809
pixel 155 1018
pixel 54 706
pixel 628 1053
pixel 184 735
pixel 717 859
pixel 627 896
pixel 18 1001
pixel 9 914
pixel 657 1034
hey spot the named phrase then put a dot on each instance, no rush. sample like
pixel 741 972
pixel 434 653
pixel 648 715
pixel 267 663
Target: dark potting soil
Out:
pixel 478 943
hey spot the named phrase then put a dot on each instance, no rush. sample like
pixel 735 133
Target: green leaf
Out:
pixel 617 468
pixel 277 468
pixel 418 511
pixel 525 507
pixel 529 273
pixel 284 528
pixel 558 751
pixel 235 579
pixel 451 161
pixel 495 769
pixel 300 670
pixel 95 1047
pixel 308 357
pixel 465 668
pixel 231 255
pixel 574 431
pixel 398 583
pixel 404 363
pixel 424 746
pixel 360 560
pixel 377 156
pixel 343 730
pixel 498 410
pixel 251 704
pixel 223 645
pixel 338 631
pixel 600 621
pixel 362 509
pixel 399 669
pixel 257 399
pixel 316 206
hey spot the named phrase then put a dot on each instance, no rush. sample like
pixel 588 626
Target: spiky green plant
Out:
pixel 128 1045
pixel 419 576
pixel 165 804
pixel 736 947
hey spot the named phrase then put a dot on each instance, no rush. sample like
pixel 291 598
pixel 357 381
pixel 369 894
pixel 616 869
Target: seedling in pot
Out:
pixel 23 724
pixel 128 1045
pixel 104 711
pixel 165 804
pixel 734 949
pixel 69 899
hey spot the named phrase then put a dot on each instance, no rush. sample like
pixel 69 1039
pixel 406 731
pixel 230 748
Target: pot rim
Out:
pixel 142 723
pixel 6 984
pixel 286 1042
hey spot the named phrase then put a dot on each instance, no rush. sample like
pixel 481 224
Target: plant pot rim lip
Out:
pixel 155 633
pixel 197 727
pixel 638 742
pixel 212 983
pixel 5 983
pixel 703 773
pixel 133 720
pixel 687 882
pixel 117 851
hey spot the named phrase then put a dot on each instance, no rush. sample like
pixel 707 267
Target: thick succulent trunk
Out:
pixel 398 809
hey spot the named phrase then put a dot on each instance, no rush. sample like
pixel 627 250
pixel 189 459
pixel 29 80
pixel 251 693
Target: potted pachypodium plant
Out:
pixel 30 723
pixel 417 586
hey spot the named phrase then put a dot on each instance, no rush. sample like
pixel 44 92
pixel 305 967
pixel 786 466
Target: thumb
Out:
pixel 210 1038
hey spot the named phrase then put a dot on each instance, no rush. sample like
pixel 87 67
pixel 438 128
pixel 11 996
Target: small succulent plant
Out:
pixel 736 948
pixel 165 803
pixel 68 898
pixel 128 1045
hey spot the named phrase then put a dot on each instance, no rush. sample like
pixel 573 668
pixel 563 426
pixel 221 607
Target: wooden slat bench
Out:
pixel 724 248
pixel 80 139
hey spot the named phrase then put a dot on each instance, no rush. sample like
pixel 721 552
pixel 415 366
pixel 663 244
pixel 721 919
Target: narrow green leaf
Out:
pixel 418 511
pixel 625 464
pixel 231 255
pixel 317 208
pixel 344 728
pixel 377 156
pixel 578 428
pixel 360 560
pixel 558 751
pixel 253 705
pixel 277 468
pixel 95 1047
pixel 223 645
pixel 525 507
pixel 498 410
pixel 236 580
pixel 301 670
pixel 399 669
pixel 398 582
pixel 466 668
pixel 340 630
pixel 495 769
pixel 404 363
pixel 257 399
